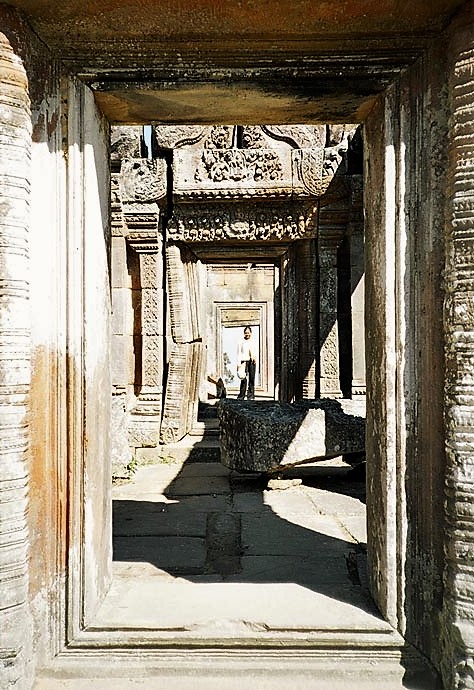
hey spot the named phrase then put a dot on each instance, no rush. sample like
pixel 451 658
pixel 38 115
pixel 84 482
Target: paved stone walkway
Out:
pixel 252 588
pixel 204 550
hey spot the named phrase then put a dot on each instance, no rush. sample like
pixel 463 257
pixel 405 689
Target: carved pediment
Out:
pixel 142 180
pixel 231 173
pixel 248 173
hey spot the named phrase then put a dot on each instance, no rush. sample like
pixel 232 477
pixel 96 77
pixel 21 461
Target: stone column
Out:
pixel 307 276
pixel 356 233
pixel 146 414
pixel 329 380
pixel 15 330
pixel 458 610
pixel 143 186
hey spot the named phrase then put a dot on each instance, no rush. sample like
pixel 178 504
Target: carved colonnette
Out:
pixel 142 186
pixel 458 664
pixel 333 226
pixel 185 355
pixel 15 330
pixel 357 279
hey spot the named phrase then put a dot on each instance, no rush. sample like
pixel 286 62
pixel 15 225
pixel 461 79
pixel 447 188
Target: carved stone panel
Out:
pixel 280 221
pixel 328 330
pixel 182 390
pixel 231 173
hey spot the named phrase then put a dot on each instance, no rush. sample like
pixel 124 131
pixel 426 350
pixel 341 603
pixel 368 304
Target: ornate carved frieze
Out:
pixel 247 173
pixel 169 137
pixel 242 222
pixel 239 165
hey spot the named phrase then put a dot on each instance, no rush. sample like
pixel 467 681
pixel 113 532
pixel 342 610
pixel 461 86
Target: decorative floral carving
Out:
pixel 253 138
pixel 220 137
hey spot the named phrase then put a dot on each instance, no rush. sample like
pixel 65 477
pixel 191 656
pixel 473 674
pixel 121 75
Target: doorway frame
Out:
pixel 81 627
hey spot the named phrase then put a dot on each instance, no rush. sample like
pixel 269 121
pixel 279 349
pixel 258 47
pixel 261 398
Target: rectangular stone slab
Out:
pixel 262 436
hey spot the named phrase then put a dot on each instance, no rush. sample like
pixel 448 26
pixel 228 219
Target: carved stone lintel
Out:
pixel 214 173
pixel 212 222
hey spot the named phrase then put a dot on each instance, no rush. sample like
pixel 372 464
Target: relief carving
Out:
pixel 298 136
pixel 208 223
pixel 220 137
pixel 143 180
pixel 239 165
pixel 458 609
pixel 170 137
pixel 253 138
pixel 308 164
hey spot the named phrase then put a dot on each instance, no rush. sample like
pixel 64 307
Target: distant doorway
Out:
pixel 238 295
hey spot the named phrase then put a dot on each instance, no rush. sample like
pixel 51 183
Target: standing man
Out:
pixel 246 359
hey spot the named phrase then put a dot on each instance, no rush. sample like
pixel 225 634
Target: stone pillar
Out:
pixel 308 366
pixel 329 380
pixel 146 414
pixel 122 364
pixel 357 267
pixel 15 330
pixel 458 610
pixel 143 185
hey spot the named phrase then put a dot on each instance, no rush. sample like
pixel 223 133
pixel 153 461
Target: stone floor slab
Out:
pixel 291 501
pixel 173 554
pixel 264 533
pixel 232 607
pixel 198 486
pixel 204 469
pixel 144 518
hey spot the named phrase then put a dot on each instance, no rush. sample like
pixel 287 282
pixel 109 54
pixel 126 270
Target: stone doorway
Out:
pixel 238 295
pixel 226 223
pixel 85 627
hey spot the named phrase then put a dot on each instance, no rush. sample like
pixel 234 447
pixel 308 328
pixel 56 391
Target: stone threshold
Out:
pixel 327 667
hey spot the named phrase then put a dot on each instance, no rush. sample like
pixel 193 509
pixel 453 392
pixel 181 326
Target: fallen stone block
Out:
pixel 267 436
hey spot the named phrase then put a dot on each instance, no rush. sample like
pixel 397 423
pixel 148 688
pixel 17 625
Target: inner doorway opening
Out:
pixel 203 259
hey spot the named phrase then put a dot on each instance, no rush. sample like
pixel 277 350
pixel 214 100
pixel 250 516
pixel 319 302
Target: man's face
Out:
pixel 247 334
